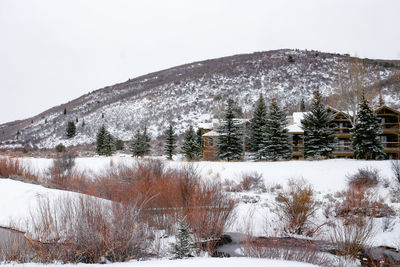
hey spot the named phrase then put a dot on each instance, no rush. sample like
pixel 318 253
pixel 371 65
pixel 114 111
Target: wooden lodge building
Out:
pixel 341 125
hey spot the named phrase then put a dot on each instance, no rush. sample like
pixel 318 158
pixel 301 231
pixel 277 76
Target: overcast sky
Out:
pixel 54 51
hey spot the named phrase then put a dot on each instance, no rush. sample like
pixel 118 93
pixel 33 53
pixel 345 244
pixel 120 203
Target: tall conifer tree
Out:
pixel 366 131
pixel 276 144
pixel 190 147
pixel 170 142
pixel 318 138
pixel 258 129
pixel 230 139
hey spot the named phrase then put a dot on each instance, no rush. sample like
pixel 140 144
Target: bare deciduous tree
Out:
pixel 350 83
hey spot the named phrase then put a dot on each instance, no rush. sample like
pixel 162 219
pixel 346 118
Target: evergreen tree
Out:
pixel 145 142
pixel 198 133
pixel 318 138
pixel 136 145
pixel 108 144
pixel 140 144
pixel 366 131
pixel 230 139
pixel 119 144
pixel 170 142
pixel 302 105
pixel 104 142
pixel 65 111
pixel 183 247
pixel 276 144
pixel 71 129
pixel 190 147
pixel 257 128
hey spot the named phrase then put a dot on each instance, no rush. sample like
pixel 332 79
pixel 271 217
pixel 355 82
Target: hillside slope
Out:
pixel 196 92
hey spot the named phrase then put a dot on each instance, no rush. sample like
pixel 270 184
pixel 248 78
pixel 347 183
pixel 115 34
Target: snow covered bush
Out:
pixel 251 181
pixel 395 165
pixel 365 177
pixel 296 208
pixel 61 168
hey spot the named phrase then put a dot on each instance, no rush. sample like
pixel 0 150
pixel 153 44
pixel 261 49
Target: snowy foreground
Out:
pixel 254 212
pixel 195 262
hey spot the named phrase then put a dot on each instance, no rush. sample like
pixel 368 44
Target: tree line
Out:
pixel 266 137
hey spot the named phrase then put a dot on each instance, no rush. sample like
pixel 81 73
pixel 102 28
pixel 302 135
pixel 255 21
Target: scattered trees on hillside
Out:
pixel 190 147
pixel 366 131
pixel 71 129
pixel 318 138
pixel 170 142
pixel 230 140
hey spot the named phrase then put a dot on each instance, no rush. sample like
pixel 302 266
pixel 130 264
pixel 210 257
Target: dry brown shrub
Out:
pixel 14 247
pixel 62 169
pixel 10 167
pixel 362 201
pixel 351 235
pixel 87 230
pixel 251 181
pixel 364 177
pixel 296 208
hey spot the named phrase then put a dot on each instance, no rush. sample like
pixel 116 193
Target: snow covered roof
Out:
pixel 211 134
pixel 295 122
pixel 206 125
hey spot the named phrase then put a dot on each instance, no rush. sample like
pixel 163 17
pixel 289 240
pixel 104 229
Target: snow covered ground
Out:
pixel 194 262
pixel 254 212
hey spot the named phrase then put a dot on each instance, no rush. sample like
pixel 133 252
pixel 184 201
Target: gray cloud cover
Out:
pixel 53 51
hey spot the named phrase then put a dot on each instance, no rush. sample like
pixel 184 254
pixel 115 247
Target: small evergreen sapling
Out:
pixel 230 139
pixel 190 147
pixel 318 138
pixel 366 131
pixel 184 246
pixel 170 142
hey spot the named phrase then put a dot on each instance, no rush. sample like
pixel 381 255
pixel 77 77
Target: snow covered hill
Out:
pixel 194 93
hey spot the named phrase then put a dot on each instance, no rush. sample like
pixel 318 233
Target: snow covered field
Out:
pixel 195 262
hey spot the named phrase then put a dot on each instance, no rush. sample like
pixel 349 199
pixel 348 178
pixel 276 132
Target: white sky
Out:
pixel 54 51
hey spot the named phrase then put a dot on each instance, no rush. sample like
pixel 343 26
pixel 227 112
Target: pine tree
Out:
pixel 104 142
pixel 136 145
pixel 183 247
pixel 366 131
pixel 230 139
pixel 145 142
pixel 318 138
pixel 276 143
pixel 65 111
pixel 108 144
pixel 170 142
pixel 71 129
pixel 190 147
pixel 257 128
pixel 302 105
pixel 119 144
